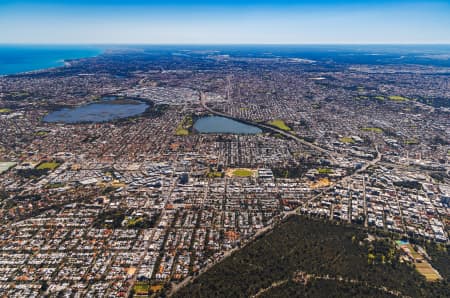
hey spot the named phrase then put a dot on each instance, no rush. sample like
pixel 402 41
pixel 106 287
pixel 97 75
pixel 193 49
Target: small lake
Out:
pixel 102 111
pixel 217 124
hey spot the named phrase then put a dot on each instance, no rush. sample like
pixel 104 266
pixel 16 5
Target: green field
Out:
pixel 141 288
pixel 372 129
pixel 141 222
pixel 398 98
pixel 181 132
pixel 242 173
pixel 48 166
pixel 325 171
pixel 41 133
pixel 185 126
pixel 5 166
pixel 347 140
pixel 280 124
pixel 412 142
pixel 215 174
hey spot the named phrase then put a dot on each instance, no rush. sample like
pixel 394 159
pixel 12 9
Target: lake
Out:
pixel 18 59
pixel 217 124
pixel 103 111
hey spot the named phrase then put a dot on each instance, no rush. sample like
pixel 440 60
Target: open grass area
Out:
pixel 48 166
pixel 325 171
pixel 347 140
pixel 427 271
pixel 141 222
pixel 141 288
pixel 242 173
pixel 411 142
pixel 5 111
pixel 185 125
pixel 423 267
pixel 372 129
pixel 215 174
pixel 5 166
pixel 41 133
pixel 398 98
pixel 182 132
pixel 439 254
pixel 134 221
pixel 280 124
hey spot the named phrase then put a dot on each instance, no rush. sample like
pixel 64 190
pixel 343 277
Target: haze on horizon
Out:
pixel 224 22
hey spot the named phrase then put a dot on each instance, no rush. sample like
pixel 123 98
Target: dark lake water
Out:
pixel 216 124
pixel 102 111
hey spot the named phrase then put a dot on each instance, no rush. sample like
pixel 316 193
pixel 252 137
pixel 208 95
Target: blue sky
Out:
pixel 221 22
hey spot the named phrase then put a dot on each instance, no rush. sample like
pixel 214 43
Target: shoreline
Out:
pixel 51 64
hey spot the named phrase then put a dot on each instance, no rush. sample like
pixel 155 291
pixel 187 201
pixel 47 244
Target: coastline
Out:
pixel 27 55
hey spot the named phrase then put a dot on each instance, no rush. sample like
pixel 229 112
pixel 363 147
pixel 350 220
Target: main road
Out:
pixel 176 287
pixel 296 138
pixel 264 126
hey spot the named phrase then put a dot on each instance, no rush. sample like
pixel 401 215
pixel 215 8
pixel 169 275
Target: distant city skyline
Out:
pixel 224 22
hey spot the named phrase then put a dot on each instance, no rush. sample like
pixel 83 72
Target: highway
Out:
pixel 377 159
pixel 267 127
pixel 176 287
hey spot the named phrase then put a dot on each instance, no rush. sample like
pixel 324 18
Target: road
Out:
pixel 296 138
pixel 267 127
pixel 309 277
pixel 226 254
pixel 133 280
pixel 176 287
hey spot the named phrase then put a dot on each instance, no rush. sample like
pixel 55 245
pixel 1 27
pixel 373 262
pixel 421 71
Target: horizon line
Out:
pixel 227 44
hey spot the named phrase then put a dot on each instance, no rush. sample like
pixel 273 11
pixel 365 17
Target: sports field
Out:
pixel 5 166
pixel 48 166
pixel 422 265
pixel 241 172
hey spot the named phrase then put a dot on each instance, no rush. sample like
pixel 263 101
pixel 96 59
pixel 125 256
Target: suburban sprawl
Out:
pixel 143 204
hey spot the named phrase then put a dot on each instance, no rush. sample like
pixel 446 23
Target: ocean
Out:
pixel 23 58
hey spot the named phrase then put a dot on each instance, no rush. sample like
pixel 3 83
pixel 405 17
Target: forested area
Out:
pixel 317 248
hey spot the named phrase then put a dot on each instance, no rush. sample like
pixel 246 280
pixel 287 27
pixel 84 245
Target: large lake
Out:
pixel 103 111
pixel 216 124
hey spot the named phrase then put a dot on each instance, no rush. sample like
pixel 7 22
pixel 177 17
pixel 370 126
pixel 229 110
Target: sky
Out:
pixel 224 22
